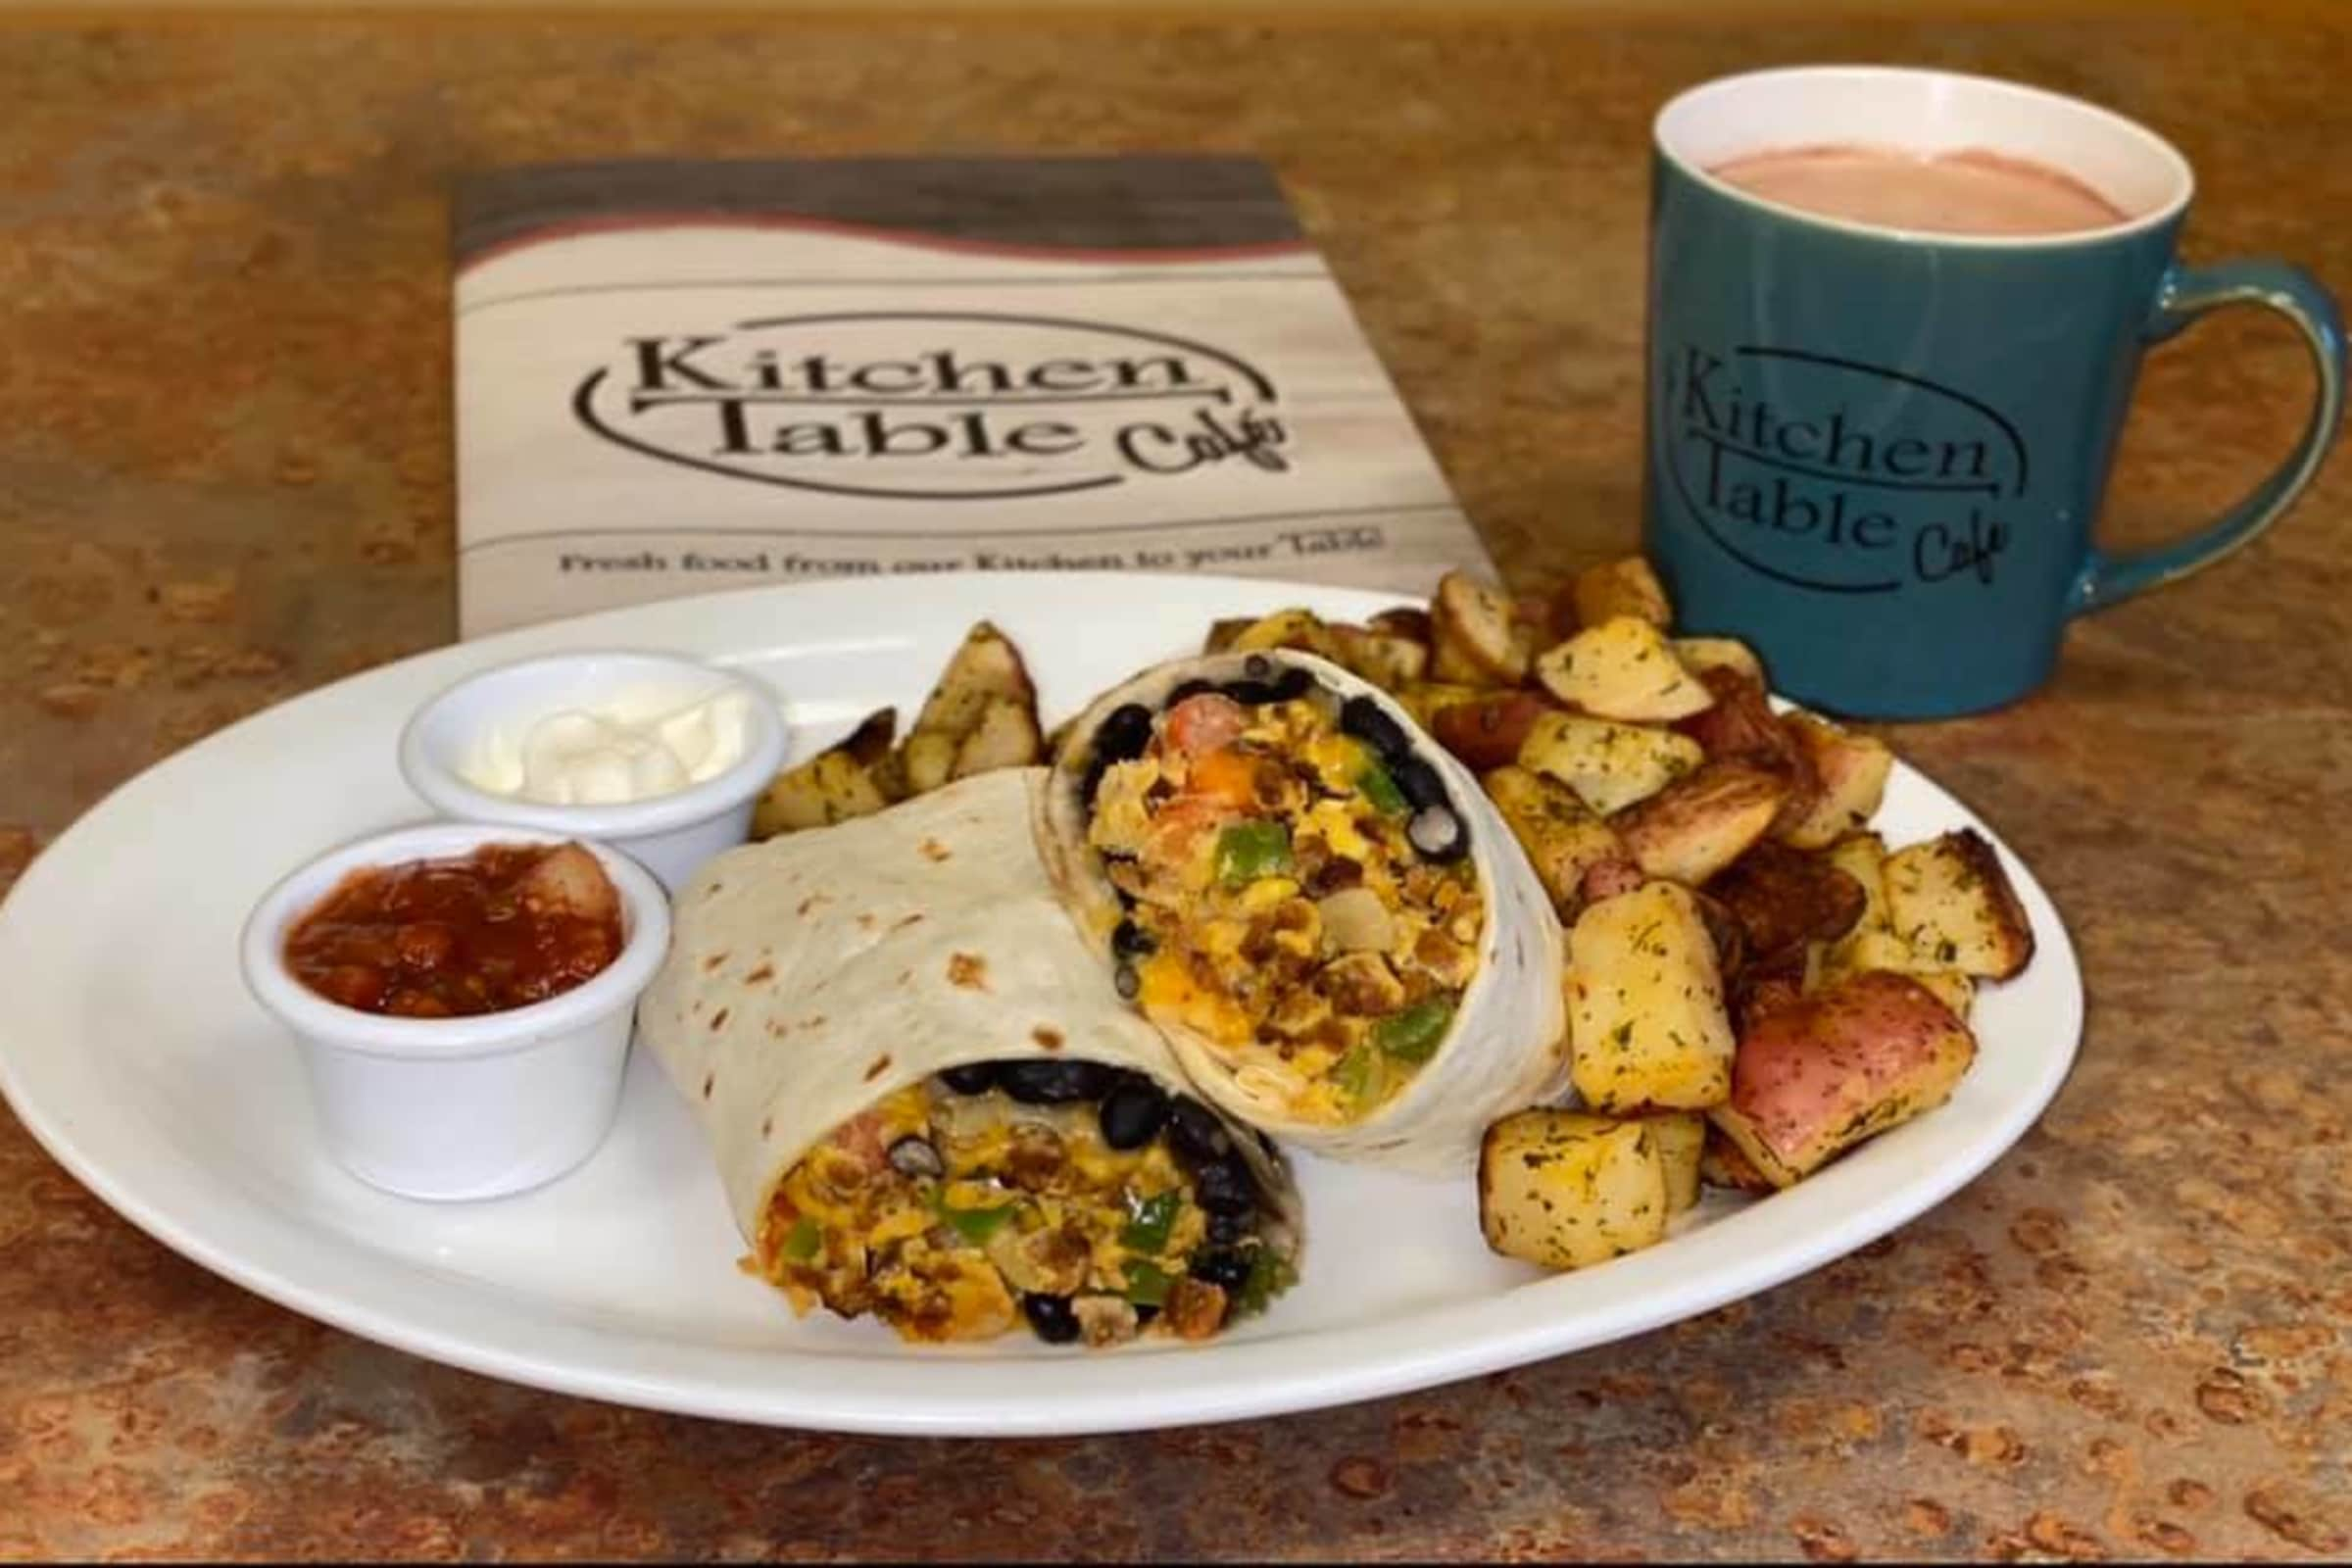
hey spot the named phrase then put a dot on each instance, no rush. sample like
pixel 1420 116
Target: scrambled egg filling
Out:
pixel 1279 905
pixel 950 1215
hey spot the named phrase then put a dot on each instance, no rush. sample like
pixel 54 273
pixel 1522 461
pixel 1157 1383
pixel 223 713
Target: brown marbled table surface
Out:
pixel 225 477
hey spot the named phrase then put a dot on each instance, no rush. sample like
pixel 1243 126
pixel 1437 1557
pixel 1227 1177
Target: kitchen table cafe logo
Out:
pixel 1833 475
pixel 935 404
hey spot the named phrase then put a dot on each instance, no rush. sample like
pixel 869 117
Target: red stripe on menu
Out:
pixel 916 239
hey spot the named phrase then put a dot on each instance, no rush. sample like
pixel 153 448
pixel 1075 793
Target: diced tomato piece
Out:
pixel 1204 723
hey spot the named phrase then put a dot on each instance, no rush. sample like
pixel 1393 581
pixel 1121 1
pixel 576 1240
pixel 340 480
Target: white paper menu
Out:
pixel 673 377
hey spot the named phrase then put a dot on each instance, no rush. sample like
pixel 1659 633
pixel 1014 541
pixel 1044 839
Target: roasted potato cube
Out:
pixel 1622 668
pixel 1702 823
pixel 1407 621
pixel 1848 779
pixel 1627 587
pixel 1741 728
pixel 834 785
pixel 1564 841
pixel 1956 990
pixel 986 665
pixel 1872 943
pixel 928 760
pixel 1724 930
pixel 1682 1139
pixel 1951 900
pixel 1564 1189
pixel 1222 632
pixel 1721 1164
pixel 1478 639
pixel 1486 731
pixel 1387 661
pixel 1864 1054
pixel 1784 897
pixel 1426 698
pixel 1647 1026
pixel 1301 630
pixel 1007 736
pixel 1702 653
pixel 1773 983
pixel 1609 766
pixel 1609 878
pixel 982 714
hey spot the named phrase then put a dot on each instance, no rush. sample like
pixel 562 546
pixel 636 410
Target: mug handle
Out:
pixel 2187 293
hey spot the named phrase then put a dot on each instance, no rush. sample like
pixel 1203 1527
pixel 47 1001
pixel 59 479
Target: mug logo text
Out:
pixel 1834 474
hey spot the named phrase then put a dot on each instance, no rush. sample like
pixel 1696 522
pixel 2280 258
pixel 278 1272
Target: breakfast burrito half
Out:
pixel 928 1104
pixel 1314 901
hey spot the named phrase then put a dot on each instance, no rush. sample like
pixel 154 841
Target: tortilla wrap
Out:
pixel 813 975
pixel 1506 1048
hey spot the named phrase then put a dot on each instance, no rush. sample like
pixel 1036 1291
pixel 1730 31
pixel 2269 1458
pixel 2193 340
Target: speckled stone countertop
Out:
pixel 225 466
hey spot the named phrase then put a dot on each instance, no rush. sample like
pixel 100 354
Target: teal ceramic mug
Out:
pixel 1878 454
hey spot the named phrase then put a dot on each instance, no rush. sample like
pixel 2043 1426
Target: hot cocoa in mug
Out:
pixel 1895 317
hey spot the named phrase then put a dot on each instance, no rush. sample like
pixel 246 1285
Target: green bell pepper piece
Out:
pixel 1413 1034
pixel 801 1245
pixel 1155 1217
pixel 1269 1276
pixel 1360 1074
pixel 974 1225
pixel 1249 850
pixel 1374 784
pixel 1146 1283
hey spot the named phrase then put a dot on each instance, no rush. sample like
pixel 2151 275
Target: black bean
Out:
pixel 1050 1316
pixel 1196 1131
pixel 914 1157
pixel 1417 780
pixel 1090 784
pixel 1055 1083
pixel 1438 833
pixel 1293 683
pixel 1131 941
pixel 1227 1229
pixel 1250 693
pixel 1145 1313
pixel 1224 1187
pixel 1184 690
pixel 974 1078
pixel 1133 1112
pixel 1124 733
pixel 1224 1267
pixel 1126 982
pixel 1371 723
pixel 1257 666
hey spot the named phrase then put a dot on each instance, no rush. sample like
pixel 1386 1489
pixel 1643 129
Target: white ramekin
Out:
pixel 670 835
pixel 458 1108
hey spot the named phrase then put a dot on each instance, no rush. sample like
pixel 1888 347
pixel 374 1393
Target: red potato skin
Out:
pixel 1488 732
pixel 1741 728
pixel 1765 986
pixel 1559 612
pixel 1819 1075
pixel 1610 878
pixel 1784 897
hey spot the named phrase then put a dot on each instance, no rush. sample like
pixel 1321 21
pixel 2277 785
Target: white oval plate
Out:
pixel 131 1051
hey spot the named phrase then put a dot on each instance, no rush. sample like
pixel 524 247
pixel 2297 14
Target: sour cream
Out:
pixel 638 744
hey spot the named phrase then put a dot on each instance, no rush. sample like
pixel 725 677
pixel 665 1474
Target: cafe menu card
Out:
pixel 674 378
